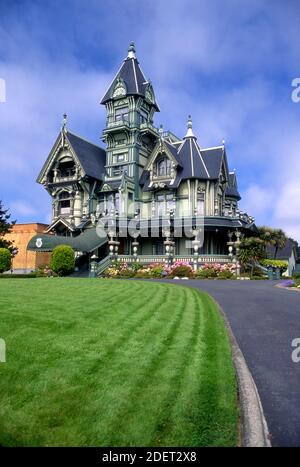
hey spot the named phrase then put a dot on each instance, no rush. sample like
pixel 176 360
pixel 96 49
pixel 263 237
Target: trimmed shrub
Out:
pixel 225 275
pixel 5 259
pixel 62 260
pixel 182 271
pixel 157 270
pixel 128 272
pixel 296 275
pixel 207 273
pixel 275 263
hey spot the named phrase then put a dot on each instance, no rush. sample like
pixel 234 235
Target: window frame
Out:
pixel 121 116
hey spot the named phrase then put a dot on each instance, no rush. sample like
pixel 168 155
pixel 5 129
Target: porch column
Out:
pixel 111 245
pixel 116 244
pixel 169 247
pixel 135 246
pixel 237 250
pixel 230 244
pixel 196 244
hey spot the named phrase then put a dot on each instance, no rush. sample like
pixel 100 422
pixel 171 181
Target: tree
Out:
pixel 279 240
pixel 273 237
pixel 252 250
pixel 5 227
pixel 5 259
pixel 62 260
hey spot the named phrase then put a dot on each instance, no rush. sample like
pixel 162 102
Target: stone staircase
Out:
pixel 103 265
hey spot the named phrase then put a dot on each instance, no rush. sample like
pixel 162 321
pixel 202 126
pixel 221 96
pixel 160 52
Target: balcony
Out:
pixel 118 125
pixel 147 126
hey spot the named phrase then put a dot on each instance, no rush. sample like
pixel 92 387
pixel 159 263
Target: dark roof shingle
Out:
pixel 91 157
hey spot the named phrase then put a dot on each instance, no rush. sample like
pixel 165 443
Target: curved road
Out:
pixel 265 319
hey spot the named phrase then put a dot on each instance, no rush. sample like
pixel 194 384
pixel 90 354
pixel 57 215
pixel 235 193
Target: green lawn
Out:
pixel 95 362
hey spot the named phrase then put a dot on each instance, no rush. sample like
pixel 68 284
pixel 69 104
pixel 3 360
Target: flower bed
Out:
pixel 290 283
pixel 179 269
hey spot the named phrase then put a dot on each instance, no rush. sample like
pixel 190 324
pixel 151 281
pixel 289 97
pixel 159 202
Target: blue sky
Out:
pixel 228 64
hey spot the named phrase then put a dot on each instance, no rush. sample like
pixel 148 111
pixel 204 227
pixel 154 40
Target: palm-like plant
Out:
pixel 279 239
pixel 252 250
pixel 273 237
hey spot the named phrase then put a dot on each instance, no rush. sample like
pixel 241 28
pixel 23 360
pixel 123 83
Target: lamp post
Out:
pixel 93 265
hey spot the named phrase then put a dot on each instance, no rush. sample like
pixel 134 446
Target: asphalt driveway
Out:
pixel 265 320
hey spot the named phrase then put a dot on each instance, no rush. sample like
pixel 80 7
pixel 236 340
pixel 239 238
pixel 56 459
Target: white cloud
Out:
pixel 257 200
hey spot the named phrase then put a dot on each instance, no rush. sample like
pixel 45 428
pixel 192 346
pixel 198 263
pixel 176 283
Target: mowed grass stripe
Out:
pixel 125 363
pixel 201 403
pixel 131 422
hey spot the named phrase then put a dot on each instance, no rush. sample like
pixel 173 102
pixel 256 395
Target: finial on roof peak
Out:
pixel 64 123
pixel 161 134
pixel 189 133
pixel 223 142
pixel 131 51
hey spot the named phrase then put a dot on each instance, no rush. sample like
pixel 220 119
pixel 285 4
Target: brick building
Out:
pixel 26 261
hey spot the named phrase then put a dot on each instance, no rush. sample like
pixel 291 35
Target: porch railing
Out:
pixel 147 259
pixel 103 264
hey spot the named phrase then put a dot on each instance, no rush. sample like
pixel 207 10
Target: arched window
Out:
pixel 66 169
pixel 164 167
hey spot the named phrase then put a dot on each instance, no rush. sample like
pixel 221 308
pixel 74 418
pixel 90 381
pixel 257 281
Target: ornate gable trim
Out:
pixel 120 89
pixel 159 149
pixel 60 221
pixel 61 142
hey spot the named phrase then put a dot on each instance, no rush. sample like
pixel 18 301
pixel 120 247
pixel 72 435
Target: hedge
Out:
pixel 62 260
pixel 275 263
pixel 5 259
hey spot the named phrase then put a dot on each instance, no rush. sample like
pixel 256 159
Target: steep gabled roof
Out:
pixel 173 151
pixel 213 158
pixel 132 76
pixel 192 160
pixel 283 253
pixel 232 190
pixel 91 157
pixel 194 163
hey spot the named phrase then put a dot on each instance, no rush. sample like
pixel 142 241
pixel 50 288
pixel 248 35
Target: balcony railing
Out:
pixel 60 179
pixel 119 124
pixel 148 126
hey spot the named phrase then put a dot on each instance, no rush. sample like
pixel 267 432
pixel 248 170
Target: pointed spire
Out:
pixel 64 123
pixel 189 133
pixel 161 131
pixel 131 51
pixel 161 135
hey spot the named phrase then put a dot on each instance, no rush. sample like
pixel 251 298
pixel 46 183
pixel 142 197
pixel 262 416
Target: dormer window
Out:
pixel 121 113
pixel 164 167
